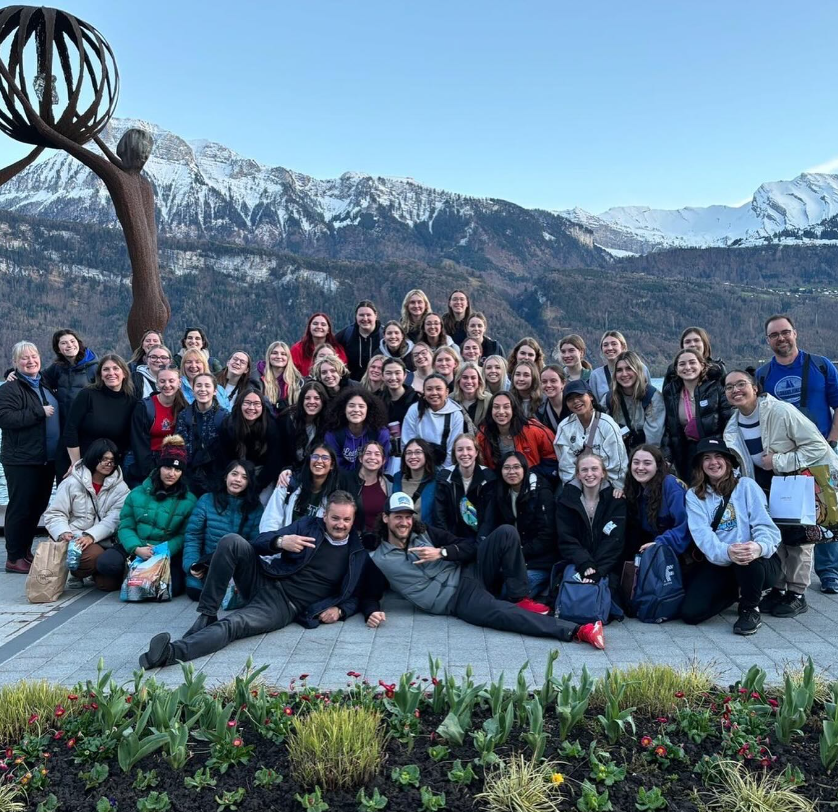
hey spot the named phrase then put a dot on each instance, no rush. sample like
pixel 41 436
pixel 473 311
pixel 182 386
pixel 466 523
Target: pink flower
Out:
pixel 33 718
pixel 660 751
pixel 679 694
pixel 765 762
pixel 646 741
pixel 71 743
pixel 755 695
pixel 59 712
pixel 774 703
pixel 353 674
pixel 237 742
pixel 231 723
pixel 72 697
pixel 59 734
pixel 662 719
pixel 288 711
pixel 303 676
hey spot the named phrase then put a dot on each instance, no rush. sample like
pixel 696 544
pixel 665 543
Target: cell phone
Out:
pixel 577 576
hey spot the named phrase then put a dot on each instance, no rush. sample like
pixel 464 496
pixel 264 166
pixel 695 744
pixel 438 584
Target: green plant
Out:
pixel 97 775
pixel 613 720
pixel 24 700
pixel 792 777
pixel 752 683
pixel 202 778
pixel 154 802
pixel 336 747
pixel 145 780
pixel 572 701
pixel 49 804
pixel 500 724
pixel 370 803
pixel 460 698
pixel 267 778
pixel 740 790
pixel 230 800
pixel 535 737
pixel 519 785
pixel 407 776
pixel 592 801
pixel 177 745
pixel 106 805
pixel 697 724
pixel 794 708
pixel 603 769
pixel 438 693
pixel 134 746
pixel 649 799
pixel 10 795
pixel 571 749
pixel 461 775
pixel 439 752
pixel 820 681
pixel 662 751
pixel 431 802
pixel 312 801
pixel 829 732
pixel 485 746
pixel 708 768
pixel 403 706
pixel 548 691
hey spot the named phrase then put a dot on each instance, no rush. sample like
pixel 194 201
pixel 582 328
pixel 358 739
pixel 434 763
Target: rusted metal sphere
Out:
pixel 63 66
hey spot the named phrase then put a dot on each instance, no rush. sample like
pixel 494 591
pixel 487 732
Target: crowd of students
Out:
pixel 420 437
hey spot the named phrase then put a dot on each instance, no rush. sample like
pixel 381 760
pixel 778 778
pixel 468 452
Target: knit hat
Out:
pixel 173 453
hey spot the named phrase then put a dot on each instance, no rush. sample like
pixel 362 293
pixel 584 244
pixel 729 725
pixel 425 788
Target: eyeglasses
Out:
pixel 159 357
pixel 781 334
pixel 416 453
pixel 511 470
pixel 739 386
pixel 107 461
pixel 320 458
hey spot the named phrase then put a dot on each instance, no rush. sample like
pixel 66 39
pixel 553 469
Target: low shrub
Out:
pixel 21 701
pixel 518 784
pixel 740 790
pixel 12 798
pixel 336 747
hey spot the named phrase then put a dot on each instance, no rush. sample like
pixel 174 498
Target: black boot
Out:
pixel 201 622
pixel 160 652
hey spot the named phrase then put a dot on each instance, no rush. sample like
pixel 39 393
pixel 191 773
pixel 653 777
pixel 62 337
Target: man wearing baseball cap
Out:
pixel 445 575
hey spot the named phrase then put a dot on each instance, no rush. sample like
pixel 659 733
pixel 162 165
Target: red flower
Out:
pixel 273 694
pixel 4 767
pixel 743 750
pixel 755 695
pixel 59 712
pixel 353 674
pixel 237 742
pixel 662 719
pixel 679 694
pixel 288 711
pixel 231 723
pixel 743 690
pixel 765 762
pixel 59 734
pixel 435 681
pixel 33 718
pixel 416 714
pixel 129 699
pixel 72 697
pixel 646 741
pixel 94 706
pixel 71 743
pixel 660 751
pixel 305 698
pixel 774 703
pixel 9 752
pixel 303 676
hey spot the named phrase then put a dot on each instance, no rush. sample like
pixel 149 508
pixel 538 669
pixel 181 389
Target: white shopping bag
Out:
pixel 792 500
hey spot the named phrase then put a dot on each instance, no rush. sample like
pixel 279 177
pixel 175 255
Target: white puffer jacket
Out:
pixel 608 444
pixel 77 508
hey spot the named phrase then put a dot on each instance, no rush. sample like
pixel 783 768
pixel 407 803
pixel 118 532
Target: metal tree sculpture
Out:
pixel 86 64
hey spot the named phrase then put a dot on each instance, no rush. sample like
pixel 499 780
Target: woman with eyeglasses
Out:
pixel 150 338
pixel 144 376
pixel 235 377
pixel 433 333
pixel 417 477
pixel 86 507
pixel 423 365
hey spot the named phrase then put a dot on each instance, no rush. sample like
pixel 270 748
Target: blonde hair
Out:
pixel 473 440
pixel 290 375
pixel 641 383
pixel 22 347
pixel 614 334
pixel 481 395
pixel 504 383
pixel 452 351
pixel 201 356
pixel 365 380
pixel 339 366
pixel 406 324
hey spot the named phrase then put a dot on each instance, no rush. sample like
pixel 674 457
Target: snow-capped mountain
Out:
pixel 204 190
pixel 779 211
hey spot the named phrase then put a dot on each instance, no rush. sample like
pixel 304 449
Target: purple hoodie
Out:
pixel 347 446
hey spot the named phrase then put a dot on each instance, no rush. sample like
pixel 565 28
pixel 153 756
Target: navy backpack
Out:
pixel 659 590
pixel 583 603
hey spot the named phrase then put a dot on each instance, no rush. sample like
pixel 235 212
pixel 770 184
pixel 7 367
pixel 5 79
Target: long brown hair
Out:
pixel 701 482
pixel 652 490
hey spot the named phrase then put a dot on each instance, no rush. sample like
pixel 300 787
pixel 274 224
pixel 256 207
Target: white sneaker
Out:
pixel 76 583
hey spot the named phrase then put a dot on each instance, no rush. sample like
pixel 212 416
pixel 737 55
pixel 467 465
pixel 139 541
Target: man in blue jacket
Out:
pixel 308 572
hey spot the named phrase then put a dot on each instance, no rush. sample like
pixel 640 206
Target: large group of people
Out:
pixel 415 454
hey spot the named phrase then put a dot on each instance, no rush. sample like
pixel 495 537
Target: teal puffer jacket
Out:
pixel 145 520
pixel 206 527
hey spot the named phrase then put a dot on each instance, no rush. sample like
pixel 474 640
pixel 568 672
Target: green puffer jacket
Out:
pixel 145 520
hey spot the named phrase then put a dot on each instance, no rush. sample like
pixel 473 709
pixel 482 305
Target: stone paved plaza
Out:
pixel 63 642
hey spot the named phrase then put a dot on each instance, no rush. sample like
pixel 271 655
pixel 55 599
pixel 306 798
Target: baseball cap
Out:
pixel 399 502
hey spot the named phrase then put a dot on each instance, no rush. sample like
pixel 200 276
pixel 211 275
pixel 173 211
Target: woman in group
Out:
pixel 372 486
pixel 333 375
pixel 589 429
pixel 153 420
pixel 193 363
pixel 73 369
pixel 396 344
pixel 234 508
pixel 771 437
pixel 456 318
pixel 696 407
pixel 476 329
pixel 463 492
pixel 155 512
pixel 144 376
pixel 471 350
pixel 415 306
pixel 525 500
pixel 318 331
pixel 373 380
pixel 591 523
pixel 194 338
pixel 250 433
pixel 355 418
pixel 397 397
pixel 86 507
pixel 553 409
pixel 236 376
pixel 104 410
pixel 301 426
pixel 526 387
pixel 435 418
pixel 698 339
pixel 199 424
pixel 636 406
pixel 729 522
pixel 527 349
pixel 280 380
pixel 423 365
pixel 506 428
pixel 417 478
pixel 612 344
pixel 447 363
pixel 150 338
pixel 360 339
pixel 31 424
pixel 433 333
pixel 496 374
pixel 470 392
pixel 571 351
pixel 656 503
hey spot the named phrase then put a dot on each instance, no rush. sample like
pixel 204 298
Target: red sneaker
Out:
pixel 534 606
pixel 592 633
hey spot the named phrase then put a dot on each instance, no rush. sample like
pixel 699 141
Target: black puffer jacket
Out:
pixel 712 412
pixel 449 494
pixel 596 544
pixel 24 424
pixel 67 381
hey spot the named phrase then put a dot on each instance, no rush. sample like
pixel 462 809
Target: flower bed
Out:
pixel 425 743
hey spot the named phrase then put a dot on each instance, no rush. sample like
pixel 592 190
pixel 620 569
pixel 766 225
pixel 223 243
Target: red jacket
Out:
pixel 535 442
pixel 303 362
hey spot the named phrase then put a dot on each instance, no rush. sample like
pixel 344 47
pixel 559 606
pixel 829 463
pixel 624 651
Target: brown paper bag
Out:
pixel 48 573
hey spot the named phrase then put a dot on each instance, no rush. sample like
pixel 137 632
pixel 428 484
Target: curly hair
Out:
pixel 336 413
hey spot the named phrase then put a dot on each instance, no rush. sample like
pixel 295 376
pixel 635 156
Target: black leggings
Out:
pixel 712 588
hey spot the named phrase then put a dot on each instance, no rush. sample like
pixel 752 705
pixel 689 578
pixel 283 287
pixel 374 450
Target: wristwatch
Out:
pixel 833 444
pixel 443 551
pixel 278 542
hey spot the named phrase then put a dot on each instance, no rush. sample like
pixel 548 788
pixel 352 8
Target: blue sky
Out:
pixel 551 104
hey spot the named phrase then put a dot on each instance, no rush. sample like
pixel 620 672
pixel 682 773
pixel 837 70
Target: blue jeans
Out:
pixel 538 581
pixel 826 562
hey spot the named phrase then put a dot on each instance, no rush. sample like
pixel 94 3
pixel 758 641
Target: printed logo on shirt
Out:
pixel 728 521
pixel 468 513
pixel 788 389
pixel 166 424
